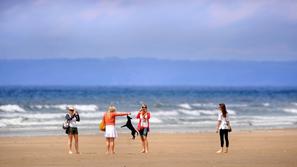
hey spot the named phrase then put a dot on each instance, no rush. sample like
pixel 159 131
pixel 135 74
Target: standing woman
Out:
pixel 143 126
pixel 223 127
pixel 110 132
pixel 72 117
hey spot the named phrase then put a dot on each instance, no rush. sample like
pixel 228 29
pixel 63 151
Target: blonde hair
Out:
pixel 110 110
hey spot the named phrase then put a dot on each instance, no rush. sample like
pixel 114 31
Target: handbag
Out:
pixel 66 125
pixel 229 128
pixel 102 126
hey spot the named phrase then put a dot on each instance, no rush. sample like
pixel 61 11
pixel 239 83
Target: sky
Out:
pixel 253 30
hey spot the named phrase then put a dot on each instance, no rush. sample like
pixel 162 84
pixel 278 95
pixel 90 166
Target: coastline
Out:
pixel 275 147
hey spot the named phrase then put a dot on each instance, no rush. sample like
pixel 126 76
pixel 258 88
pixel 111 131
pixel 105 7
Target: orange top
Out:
pixel 110 120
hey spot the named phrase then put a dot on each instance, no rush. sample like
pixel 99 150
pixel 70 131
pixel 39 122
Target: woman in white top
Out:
pixel 72 117
pixel 144 126
pixel 223 126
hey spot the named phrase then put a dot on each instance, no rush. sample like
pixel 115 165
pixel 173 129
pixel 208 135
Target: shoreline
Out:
pixel 154 132
pixel 265 148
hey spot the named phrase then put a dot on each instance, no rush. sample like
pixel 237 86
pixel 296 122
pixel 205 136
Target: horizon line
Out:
pixel 140 58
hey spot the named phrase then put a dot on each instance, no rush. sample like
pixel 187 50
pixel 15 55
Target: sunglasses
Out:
pixel 143 107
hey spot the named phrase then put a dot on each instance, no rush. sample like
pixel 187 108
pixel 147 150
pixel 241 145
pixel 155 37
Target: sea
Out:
pixel 40 110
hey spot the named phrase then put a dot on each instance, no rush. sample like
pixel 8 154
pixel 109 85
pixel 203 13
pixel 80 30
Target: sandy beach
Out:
pixel 256 148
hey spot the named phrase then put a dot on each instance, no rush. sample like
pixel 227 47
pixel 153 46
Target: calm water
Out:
pixel 41 110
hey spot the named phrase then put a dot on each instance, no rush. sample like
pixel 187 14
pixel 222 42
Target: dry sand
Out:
pixel 257 148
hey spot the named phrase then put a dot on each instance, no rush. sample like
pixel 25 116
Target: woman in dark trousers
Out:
pixel 72 117
pixel 223 127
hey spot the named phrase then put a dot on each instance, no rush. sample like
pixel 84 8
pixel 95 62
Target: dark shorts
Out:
pixel 72 131
pixel 144 132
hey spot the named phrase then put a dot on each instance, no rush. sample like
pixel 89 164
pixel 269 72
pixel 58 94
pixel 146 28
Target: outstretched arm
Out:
pixel 122 114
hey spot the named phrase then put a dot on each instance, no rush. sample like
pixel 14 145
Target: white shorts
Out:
pixel 110 131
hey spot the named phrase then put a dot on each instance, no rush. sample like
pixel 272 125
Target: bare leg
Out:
pixel 146 145
pixel 76 143
pixel 112 145
pixel 107 145
pixel 143 144
pixel 70 143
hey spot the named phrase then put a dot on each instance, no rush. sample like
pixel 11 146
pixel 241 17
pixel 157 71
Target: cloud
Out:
pixel 166 29
pixel 223 13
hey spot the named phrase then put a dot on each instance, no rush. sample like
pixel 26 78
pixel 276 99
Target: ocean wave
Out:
pixel 290 110
pixel 208 112
pixel 237 105
pixel 155 120
pixel 92 115
pixel 78 107
pixel 231 112
pixel 35 116
pixel 11 108
pixel 185 106
pixel 13 121
pixel 266 104
pixel 165 113
pixel 205 123
pixel 44 115
pixel 211 105
pixel 189 112
pixel 204 112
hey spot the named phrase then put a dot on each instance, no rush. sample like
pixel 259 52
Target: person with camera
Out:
pixel 72 117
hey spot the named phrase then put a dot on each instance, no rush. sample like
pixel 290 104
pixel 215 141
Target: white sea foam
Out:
pixel 189 112
pixel 185 106
pixel 197 105
pixel 290 110
pixel 44 115
pixel 237 105
pixel 13 121
pixel 11 108
pixel 208 112
pixel 155 120
pixel 34 115
pixel 165 113
pixel 2 125
pixel 79 107
pixel 266 104
pixel 91 115
pixel 231 112
pixel 201 123
pixel 211 105
pixel 88 107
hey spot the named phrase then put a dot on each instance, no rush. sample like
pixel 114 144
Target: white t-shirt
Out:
pixel 224 124
pixel 143 119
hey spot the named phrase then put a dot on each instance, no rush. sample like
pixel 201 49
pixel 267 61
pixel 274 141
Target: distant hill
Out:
pixel 146 72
